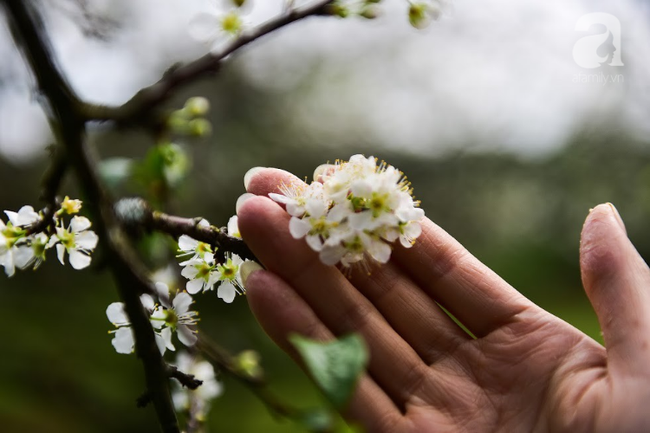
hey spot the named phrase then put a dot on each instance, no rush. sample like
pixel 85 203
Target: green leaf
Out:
pixel 334 365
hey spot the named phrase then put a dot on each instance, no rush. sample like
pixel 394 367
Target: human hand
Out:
pixel 526 370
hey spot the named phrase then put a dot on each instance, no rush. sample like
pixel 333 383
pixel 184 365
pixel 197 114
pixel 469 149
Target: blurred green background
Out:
pixel 519 214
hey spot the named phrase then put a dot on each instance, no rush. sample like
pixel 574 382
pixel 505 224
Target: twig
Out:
pixel 187 380
pixel 140 108
pixel 226 363
pixel 136 214
pixel 27 30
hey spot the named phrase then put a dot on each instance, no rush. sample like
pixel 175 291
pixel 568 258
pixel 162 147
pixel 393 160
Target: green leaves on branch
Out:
pixel 334 365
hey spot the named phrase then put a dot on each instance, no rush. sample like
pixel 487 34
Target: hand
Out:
pixel 526 370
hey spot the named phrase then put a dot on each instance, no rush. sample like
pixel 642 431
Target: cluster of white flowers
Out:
pixel 21 249
pixel 196 401
pixel 353 211
pixel 166 318
pixel 203 271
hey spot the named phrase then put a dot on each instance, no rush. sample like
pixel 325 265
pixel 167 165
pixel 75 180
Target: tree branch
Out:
pixel 69 127
pixel 140 108
pixel 136 214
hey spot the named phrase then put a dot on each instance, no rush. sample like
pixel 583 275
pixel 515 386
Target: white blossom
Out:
pixel 176 316
pixel 77 240
pixel 25 217
pixel 230 277
pixel 15 251
pixel 123 337
pixel 353 211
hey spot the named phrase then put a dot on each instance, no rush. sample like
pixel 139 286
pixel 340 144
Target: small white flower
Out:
pixel 217 26
pixel 196 401
pixel 176 316
pixel 124 339
pixel 229 274
pixel 191 249
pixel 77 240
pixel 14 251
pixel 25 217
pixel 202 275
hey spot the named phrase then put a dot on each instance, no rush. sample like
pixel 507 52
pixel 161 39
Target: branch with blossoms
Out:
pixel 351 215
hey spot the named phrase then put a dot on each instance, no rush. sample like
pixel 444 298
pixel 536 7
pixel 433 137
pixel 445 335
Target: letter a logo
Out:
pixel 594 51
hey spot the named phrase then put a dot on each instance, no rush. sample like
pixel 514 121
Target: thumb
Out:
pixel 617 282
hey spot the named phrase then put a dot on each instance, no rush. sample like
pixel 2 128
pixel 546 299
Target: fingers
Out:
pixel 281 311
pixel 472 292
pixel 410 311
pixel 451 276
pixel 393 364
pixel 617 282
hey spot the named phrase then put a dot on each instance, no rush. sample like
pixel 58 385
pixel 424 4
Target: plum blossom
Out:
pixel 230 277
pixel 176 316
pixel 77 240
pixel 124 339
pixel 353 211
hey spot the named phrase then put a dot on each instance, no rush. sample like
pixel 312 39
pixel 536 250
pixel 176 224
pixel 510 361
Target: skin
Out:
pixel 526 370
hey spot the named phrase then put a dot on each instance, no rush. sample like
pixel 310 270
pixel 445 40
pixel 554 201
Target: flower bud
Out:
pixel 197 106
pixel 199 127
pixel 369 12
pixel 248 363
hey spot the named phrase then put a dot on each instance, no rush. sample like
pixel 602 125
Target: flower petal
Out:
pixel 186 336
pixel 23 256
pixel 194 286
pixel 204 27
pixel 298 228
pixel 79 224
pixel 79 260
pixel 186 243
pixel 182 303
pixel 227 292
pixel 123 341
pixel 116 314
pixel 166 334
pixel 60 253
pixel 331 255
pixel 87 240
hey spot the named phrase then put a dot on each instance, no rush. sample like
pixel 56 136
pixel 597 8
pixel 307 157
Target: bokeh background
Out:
pixel 506 146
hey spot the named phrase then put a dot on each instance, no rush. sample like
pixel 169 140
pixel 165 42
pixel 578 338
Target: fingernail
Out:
pixel 250 174
pixel 321 170
pixel 247 269
pixel 617 216
pixel 242 198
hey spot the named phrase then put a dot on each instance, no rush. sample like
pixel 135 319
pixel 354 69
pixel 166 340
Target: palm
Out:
pixel 526 370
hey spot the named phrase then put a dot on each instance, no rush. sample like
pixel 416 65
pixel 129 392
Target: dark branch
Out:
pixel 69 127
pixel 136 214
pixel 140 108
pixel 51 183
pixel 187 380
